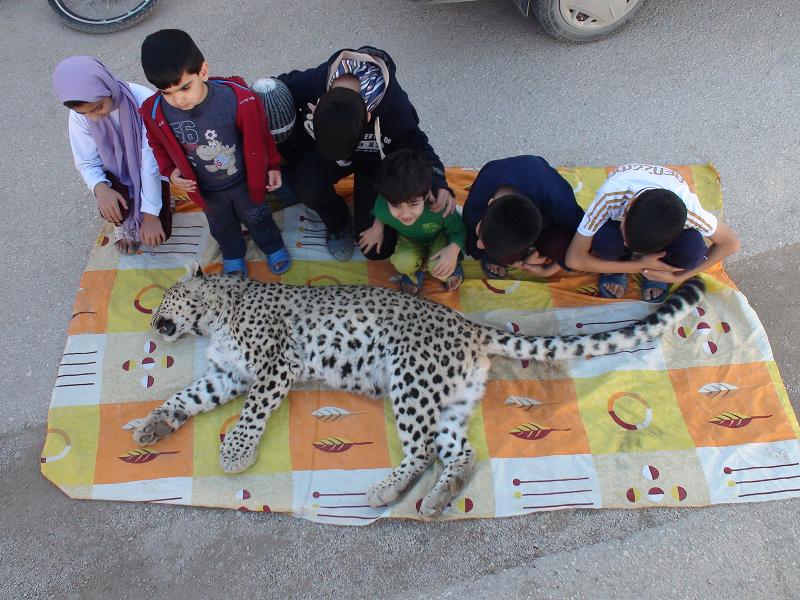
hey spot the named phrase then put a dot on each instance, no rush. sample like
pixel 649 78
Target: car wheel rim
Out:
pixel 594 14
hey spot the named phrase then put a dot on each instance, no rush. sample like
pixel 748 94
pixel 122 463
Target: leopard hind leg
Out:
pixel 415 412
pixel 452 445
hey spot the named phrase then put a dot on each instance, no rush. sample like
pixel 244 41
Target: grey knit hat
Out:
pixel 280 108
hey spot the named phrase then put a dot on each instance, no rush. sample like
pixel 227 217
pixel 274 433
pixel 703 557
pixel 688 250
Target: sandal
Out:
pixel 407 283
pixel 279 261
pixel 650 284
pixel 457 272
pixel 620 279
pixel 485 262
pixel 234 266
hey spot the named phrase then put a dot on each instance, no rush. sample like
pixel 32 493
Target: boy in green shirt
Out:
pixel 426 239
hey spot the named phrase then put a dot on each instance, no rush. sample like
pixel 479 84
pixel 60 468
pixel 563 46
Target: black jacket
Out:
pixel 397 117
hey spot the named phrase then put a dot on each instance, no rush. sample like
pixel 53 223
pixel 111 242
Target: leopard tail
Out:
pixel 673 309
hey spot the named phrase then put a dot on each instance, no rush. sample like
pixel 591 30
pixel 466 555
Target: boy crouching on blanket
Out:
pixel 645 219
pixel 426 240
pixel 520 213
pixel 212 139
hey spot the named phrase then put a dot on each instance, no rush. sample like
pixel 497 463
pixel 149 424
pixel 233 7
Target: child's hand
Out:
pixel 108 203
pixel 443 202
pixel 274 180
pixel 665 276
pixel 187 185
pixel 653 262
pixel 446 260
pixel 371 238
pixel 152 231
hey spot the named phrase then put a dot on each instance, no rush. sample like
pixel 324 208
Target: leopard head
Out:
pixel 182 308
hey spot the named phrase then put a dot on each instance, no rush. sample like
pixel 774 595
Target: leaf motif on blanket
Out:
pixel 142 455
pixel 522 402
pixel 334 413
pixel 336 444
pixel 734 420
pixel 533 431
pixel 718 390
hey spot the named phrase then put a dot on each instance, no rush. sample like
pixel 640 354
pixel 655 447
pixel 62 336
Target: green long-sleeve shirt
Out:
pixel 427 227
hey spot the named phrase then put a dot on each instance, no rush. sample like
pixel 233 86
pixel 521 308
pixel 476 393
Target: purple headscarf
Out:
pixel 86 79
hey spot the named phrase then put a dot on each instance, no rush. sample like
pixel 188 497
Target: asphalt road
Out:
pixel 687 82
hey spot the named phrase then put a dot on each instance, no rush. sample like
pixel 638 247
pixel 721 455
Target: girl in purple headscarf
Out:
pixel 111 152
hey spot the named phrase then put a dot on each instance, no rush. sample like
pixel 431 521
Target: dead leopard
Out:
pixel 429 360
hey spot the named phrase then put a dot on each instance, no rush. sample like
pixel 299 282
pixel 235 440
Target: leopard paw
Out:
pixel 435 502
pixel 382 493
pixel 156 426
pixel 237 453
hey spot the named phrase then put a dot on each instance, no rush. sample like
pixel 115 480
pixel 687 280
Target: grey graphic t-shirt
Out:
pixel 210 138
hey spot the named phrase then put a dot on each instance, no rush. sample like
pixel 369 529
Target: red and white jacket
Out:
pixel 260 153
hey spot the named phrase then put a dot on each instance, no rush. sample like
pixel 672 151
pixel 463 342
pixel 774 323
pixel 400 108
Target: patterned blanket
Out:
pixel 698 417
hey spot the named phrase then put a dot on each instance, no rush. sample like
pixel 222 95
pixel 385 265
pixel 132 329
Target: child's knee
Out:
pixel 258 215
pixel 405 262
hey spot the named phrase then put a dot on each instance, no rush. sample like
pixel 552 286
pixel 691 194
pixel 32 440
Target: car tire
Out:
pixel 567 21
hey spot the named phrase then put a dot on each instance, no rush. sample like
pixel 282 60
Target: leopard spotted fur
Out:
pixel 430 361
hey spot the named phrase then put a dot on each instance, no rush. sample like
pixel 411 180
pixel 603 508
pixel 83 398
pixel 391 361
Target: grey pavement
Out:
pixel 687 82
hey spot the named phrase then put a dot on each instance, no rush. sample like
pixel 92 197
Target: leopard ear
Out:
pixel 193 271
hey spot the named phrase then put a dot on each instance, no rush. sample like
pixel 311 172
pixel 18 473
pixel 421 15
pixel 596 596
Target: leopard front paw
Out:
pixel 159 424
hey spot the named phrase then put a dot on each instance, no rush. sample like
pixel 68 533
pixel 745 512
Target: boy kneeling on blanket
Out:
pixel 645 219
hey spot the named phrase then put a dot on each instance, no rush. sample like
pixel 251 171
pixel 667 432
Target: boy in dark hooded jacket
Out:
pixel 355 114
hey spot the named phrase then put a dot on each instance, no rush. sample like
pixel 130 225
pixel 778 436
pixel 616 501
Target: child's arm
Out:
pixel 88 162
pixel 371 237
pixel 151 229
pixel 724 243
pixel 580 258
pixel 166 165
pixel 446 259
pixel 405 132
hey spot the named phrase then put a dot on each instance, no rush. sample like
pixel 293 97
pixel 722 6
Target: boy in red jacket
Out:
pixel 212 139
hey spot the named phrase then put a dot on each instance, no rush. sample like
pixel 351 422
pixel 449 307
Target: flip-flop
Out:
pixel 279 261
pixel 650 284
pixel 484 267
pixel 457 272
pixel 620 279
pixel 232 266
pixel 406 280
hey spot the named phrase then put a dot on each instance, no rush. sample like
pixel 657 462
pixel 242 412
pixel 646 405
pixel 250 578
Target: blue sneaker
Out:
pixel 340 245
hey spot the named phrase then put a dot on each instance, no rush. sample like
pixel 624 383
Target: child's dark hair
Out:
pixel 510 227
pixel 339 121
pixel 167 55
pixel 654 220
pixel 403 175
pixel 75 103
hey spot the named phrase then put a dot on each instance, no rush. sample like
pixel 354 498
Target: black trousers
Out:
pixel 226 210
pixel 312 179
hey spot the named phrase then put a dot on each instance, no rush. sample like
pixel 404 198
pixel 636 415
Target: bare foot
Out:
pixel 454 281
pixel 126 247
pixel 407 286
pixel 616 290
pixel 497 270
